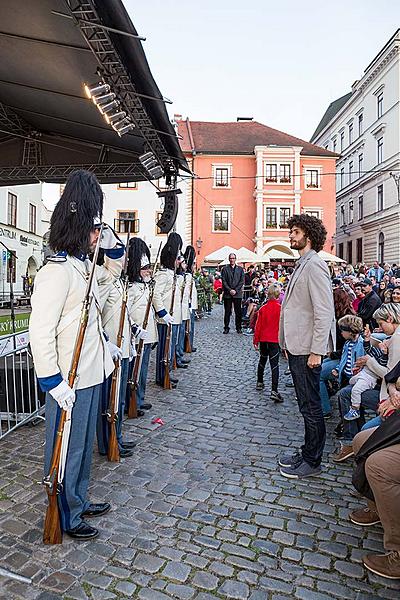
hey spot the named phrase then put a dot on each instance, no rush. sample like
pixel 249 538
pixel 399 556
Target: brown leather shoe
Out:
pixel 364 517
pixel 344 453
pixel 384 565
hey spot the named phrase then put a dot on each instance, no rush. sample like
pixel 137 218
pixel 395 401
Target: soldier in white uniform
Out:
pixel 180 347
pixel 190 257
pixel 165 280
pixel 59 291
pixel 139 275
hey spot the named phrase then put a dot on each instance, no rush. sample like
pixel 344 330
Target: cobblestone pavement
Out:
pixel 202 512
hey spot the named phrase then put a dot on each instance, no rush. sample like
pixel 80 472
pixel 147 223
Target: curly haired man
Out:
pixel 307 331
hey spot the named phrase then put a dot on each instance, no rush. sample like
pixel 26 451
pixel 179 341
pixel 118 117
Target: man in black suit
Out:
pixel 232 282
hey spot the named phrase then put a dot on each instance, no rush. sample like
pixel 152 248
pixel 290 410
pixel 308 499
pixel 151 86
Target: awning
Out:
pixel 48 127
pixel 220 254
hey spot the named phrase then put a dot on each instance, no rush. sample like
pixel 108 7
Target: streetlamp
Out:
pixel 396 178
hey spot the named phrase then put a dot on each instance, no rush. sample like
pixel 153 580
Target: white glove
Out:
pixel 115 352
pixel 109 238
pixel 63 395
pixel 168 319
pixel 143 334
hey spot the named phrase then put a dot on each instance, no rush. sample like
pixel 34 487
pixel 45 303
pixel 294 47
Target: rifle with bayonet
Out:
pixel 112 410
pixel 188 345
pixel 133 382
pixel 166 359
pixel 52 533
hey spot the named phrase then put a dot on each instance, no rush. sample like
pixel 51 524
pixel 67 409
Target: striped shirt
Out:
pixel 348 367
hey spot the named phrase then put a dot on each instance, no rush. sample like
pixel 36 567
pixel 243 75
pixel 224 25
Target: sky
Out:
pixel 281 62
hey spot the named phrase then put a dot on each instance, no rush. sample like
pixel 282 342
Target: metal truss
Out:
pixel 12 124
pixel 61 172
pixel 113 71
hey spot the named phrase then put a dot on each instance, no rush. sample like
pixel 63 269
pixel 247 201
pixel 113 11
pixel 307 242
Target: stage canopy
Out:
pixel 48 127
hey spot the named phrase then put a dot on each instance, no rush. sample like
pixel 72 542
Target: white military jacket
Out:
pixel 163 294
pixel 59 291
pixel 138 296
pixel 193 300
pixel 186 296
pixel 111 316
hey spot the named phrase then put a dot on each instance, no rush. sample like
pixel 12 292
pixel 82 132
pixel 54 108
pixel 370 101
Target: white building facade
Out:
pixel 139 200
pixel 21 230
pixel 364 128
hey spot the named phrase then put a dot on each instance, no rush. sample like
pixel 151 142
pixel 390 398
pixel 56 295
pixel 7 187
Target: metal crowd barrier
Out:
pixel 21 399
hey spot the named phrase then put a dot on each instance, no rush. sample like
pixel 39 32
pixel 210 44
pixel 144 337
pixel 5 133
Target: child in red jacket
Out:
pixel 266 340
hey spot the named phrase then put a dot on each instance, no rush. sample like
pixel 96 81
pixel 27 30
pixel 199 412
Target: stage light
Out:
pixel 108 108
pixel 119 116
pixel 125 129
pixel 97 90
pixel 102 100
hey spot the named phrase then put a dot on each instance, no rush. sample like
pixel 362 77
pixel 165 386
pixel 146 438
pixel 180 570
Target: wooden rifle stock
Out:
pixel 167 381
pixel 112 414
pixel 52 533
pixel 132 409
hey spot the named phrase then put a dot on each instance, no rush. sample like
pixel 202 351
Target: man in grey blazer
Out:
pixel 307 332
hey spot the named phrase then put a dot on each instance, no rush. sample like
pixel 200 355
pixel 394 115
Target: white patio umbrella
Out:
pixel 220 255
pixel 244 255
pixel 330 257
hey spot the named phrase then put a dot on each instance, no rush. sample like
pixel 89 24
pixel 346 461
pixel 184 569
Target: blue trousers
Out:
pixel 180 347
pixel 141 390
pixel 103 425
pixel 160 366
pixel 174 344
pixel 306 385
pixel 326 374
pixel 72 500
pixel 191 328
pixel 369 400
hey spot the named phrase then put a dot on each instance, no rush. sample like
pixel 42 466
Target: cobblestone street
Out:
pixel 202 511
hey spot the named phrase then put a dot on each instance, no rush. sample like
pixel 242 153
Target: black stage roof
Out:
pixel 48 127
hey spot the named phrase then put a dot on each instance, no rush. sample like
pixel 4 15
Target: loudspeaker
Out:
pixel 170 212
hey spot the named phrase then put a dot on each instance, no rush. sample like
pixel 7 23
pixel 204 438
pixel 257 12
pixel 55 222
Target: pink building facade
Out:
pixel 250 180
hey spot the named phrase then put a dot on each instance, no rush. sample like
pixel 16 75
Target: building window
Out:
pixel 12 210
pixel 221 177
pixel 340 250
pixel 359 252
pixel 284 173
pixel 381 248
pixel 11 268
pixel 350 133
pixel 270 218
pixel 351 211
pixel 221 219
pixel 312 178
pixel 351 166
pixel 158 217
pixel 379 105
pixel 341 141
pixel 342 216
pixel 380 198
pixel 350 252
pixel 342 178
pixel 360 124
pixel 128 185
pixel 271 173
pixel 360 207
pixel 360 164
pixel 313 213
pixel 379 145
pixel 334 144
pixel 284 217
pixel 127 221
pixel 32 218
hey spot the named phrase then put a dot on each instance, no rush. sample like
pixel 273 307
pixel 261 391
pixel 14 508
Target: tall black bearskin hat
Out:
pixel 138 257
pixel 171 250
pixel 80 206
pixel 190 255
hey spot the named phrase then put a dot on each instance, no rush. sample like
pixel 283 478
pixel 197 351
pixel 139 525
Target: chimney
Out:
pixel 177 117
pixel 244 119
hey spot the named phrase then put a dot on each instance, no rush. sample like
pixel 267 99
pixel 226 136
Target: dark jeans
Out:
pixel 269 350
pixel 369 400
pixel 237 305
pixel 306 385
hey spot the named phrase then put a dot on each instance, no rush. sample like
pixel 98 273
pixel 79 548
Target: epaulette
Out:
pixel 60 257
